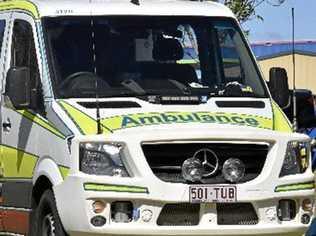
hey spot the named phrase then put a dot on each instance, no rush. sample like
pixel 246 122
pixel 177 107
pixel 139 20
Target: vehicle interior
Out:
pixel 124 56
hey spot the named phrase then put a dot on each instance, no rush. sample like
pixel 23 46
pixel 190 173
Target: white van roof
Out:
pixel 40 8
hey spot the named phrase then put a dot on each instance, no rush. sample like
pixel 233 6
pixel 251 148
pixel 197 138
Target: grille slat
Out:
pixel 166 159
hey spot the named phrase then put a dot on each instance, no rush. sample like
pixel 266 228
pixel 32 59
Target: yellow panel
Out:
pixel 64 171
pixel 281 123
pixel 84 123
pixel 17 164
pixel 20 5
pixel 41 122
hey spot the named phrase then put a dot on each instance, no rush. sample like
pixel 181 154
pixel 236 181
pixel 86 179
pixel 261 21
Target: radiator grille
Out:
pixel 236 214
pixel 184 214
pixel 166 159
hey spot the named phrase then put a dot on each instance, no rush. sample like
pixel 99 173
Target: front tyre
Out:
pixel 48 221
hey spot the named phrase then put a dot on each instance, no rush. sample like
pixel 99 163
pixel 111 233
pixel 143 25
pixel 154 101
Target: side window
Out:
pixel 2 27
pixel 23 54
pixel 23 49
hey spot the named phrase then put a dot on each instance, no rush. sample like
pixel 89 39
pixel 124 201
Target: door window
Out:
pixel 23 54
pixel 2 28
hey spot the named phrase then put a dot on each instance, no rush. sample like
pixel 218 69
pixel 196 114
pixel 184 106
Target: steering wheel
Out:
pixel 81 75
pixel 73 76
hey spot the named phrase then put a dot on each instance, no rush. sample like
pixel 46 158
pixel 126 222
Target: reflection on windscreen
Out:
pixel 149 55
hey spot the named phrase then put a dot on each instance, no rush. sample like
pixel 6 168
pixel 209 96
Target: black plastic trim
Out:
pixel 248 104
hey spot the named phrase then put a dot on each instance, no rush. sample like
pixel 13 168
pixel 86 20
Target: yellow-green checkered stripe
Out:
pixel 114 188
pixel 295 187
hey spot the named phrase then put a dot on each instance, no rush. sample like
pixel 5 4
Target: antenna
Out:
pixel 99 128
pixel 295 126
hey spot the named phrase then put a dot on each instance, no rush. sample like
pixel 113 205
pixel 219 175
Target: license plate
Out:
pixel 200 194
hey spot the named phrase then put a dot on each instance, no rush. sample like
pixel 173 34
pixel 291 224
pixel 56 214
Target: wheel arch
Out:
pixel 46 175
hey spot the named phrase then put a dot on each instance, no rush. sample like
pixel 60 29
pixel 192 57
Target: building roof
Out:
pixel 39 8
pixel 267 50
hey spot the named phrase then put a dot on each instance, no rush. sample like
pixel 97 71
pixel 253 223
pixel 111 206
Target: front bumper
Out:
pixel 147 192
pixel 72 197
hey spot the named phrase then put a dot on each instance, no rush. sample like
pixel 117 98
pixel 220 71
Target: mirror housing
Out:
pixel 306 115
pixel 313 143
pixel 18 87
pixel 279 86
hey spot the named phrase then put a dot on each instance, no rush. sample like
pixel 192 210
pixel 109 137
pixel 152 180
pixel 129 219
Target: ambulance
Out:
pixel 143 117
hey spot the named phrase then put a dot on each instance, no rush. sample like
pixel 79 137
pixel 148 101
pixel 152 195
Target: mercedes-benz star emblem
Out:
pixel 204 163
pixel 209 161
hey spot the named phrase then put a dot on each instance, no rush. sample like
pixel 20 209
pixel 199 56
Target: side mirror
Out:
pixel 18 87
pixel 279 86
pixel 306 116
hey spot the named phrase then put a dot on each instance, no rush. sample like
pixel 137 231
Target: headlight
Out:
pixel 296 159
pixel 102 159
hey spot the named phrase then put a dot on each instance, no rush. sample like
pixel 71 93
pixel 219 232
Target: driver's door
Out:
pixel 20 141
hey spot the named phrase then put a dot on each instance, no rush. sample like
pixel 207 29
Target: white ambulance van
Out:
pixel 127 117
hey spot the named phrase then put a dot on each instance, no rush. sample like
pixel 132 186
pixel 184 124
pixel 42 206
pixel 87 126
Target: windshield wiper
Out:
pixel 133 86
pixel 184 89
pixel 236 89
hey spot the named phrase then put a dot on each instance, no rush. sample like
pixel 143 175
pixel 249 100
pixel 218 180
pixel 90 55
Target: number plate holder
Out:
pixel 212 193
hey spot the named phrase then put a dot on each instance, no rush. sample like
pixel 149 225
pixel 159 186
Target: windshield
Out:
pixel 146 55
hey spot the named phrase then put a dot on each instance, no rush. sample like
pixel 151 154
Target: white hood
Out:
pixel 81 114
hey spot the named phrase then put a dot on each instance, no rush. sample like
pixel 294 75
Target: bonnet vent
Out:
pixel 237 104
pixel 111 104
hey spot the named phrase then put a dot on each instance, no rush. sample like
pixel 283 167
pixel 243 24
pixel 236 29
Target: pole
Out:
pixel 295 126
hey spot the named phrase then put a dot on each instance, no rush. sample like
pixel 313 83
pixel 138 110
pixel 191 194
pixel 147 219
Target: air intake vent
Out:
pixel 238 104
pixel 111 104
pixel 183 214
pixel 236 214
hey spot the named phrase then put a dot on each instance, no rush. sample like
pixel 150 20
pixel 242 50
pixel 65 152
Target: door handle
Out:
pixel 6 125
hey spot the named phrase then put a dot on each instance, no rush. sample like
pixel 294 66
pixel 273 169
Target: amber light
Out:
pixel 307 205
pixel 98 207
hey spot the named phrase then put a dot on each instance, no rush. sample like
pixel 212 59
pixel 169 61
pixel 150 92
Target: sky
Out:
pixel 277 22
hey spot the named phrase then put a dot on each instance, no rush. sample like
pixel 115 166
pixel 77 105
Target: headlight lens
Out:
pixel 296 159
pixel 102 159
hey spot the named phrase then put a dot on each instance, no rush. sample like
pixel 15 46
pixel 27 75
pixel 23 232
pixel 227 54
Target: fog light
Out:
pixel 147 215
pixel 98 221
pixel 233 170
pixel 122 212
pixel 192 170
pixel 307 205
pixel 286 210
pixel 305 219
pixel 98 207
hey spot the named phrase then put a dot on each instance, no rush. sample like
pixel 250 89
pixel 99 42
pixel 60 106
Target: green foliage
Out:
pixel 246 9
